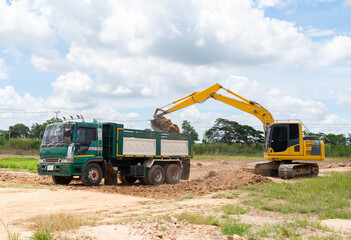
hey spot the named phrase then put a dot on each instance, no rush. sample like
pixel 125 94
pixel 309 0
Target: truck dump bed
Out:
pixel 123 143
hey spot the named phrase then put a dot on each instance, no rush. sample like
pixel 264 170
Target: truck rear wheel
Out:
pixel 92 175
pixel 156 175
pixel 59 180
pixel 173 174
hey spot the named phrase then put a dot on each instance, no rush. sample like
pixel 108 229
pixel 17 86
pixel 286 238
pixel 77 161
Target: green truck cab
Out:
pixel 96 151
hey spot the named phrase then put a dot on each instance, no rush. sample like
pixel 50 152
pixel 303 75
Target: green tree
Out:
pixel 19 130
pixel 187 128
pixel 334 139
pixel 229 132
pixel 4 133
pixel 36 130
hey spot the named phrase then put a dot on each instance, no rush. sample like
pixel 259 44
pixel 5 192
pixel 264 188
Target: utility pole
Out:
pixel 57 112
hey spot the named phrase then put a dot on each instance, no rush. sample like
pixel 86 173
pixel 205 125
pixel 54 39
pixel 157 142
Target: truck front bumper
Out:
pixel 55 169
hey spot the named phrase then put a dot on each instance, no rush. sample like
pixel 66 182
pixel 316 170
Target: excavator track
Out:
pixel 295 170
pixel 284 169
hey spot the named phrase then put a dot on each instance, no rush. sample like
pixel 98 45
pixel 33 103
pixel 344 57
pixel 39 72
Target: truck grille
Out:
pixel 51 160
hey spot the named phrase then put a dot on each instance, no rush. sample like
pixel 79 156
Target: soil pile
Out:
pixel 162 124
pixel 171 228
pixel 7 176
pixel 210 183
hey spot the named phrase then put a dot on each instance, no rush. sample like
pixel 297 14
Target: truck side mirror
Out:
pixel 68 133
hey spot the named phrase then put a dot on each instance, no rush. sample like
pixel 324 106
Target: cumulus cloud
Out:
pixel 21 25
pixel 344 98
pixel 3 69
pixel 347 3
pixel 137 51
pixel 267 3
pixel 335 51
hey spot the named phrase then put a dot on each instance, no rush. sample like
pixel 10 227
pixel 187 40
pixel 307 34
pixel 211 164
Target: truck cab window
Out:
pixel 85 135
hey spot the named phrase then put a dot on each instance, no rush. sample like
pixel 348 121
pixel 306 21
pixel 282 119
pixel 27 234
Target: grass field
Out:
pixel 29 164
pixel 325 197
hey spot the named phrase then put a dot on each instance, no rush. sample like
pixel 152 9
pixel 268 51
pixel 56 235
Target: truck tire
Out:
pixel 144 181
pixel 173 174
pixel 156 175
pixel 125 179
pixel 92 175
pixel 59 180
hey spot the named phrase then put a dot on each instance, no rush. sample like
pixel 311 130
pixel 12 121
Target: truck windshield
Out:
pixel 56 134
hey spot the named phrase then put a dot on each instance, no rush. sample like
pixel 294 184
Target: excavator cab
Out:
pixel 285 142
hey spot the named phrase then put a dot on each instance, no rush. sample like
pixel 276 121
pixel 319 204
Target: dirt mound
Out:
pixel 154 228
pixel 7 176
pixel 162 124
pixel 213 182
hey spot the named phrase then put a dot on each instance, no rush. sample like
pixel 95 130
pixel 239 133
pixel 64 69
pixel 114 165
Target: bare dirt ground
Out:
pixel 133 212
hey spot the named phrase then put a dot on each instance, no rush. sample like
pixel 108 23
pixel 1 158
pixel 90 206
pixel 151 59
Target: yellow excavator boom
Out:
pixel 245 105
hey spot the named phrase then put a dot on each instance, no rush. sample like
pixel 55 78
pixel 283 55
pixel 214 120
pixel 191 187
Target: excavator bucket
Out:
pixel 162 124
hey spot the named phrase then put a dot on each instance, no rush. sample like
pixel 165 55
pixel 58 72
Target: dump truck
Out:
pixel 284 141
pixel 95 151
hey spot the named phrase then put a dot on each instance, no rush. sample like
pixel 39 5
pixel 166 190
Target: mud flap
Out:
pixel 185 169
pixel 111 176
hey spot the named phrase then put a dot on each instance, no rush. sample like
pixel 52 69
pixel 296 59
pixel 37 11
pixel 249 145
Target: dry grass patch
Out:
pixel 63 221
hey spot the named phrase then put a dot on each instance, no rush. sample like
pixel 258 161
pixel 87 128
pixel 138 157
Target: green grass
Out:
pixel 43 234
pixel 197 218
pixel 19 163
pixel 231 209
pixel 226 195
pixel 185 197
pixel 326 197
pixel 231 227
pixel 230 157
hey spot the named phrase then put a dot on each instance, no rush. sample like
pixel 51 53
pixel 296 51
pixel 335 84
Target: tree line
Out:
pixel 20 130
pixel 223 131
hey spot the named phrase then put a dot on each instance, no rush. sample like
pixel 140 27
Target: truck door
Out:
pixel 85 135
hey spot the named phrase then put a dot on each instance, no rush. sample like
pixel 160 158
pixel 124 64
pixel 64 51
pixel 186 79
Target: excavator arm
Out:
pixel 245 105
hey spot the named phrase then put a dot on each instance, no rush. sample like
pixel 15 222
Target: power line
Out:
pixel 27 112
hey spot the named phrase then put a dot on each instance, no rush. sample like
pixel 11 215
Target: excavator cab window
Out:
pixel 279 140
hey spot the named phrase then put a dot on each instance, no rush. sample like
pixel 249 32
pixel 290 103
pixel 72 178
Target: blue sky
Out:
pixel 119 60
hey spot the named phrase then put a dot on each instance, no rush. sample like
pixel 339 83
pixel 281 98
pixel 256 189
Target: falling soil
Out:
pixel 160 123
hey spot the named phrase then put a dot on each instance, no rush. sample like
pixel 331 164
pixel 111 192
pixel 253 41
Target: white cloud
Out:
pixel 316 32
pixel 267 3
pixel 338 50
pixel 344 98
pixel 49 60
pixel 20 25
pixel 3 69
pixel 347 3
pixel 156 50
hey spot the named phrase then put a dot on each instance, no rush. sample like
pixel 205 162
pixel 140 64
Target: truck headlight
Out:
pixel 41 161
pixel 66 160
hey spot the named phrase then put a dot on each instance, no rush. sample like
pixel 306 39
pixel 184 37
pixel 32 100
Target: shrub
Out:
pixel 25 143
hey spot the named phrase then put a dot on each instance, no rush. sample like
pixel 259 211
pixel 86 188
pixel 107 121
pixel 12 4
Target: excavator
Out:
pixel 284 142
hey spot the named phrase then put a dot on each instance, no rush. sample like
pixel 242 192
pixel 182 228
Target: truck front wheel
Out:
pixel 156 175
pixel 59 180
pixel 92 175
pixel 173 174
